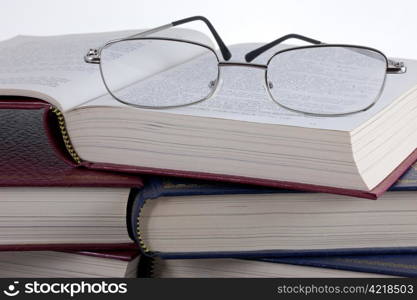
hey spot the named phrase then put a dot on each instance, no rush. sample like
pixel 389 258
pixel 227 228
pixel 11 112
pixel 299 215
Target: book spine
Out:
pixel 64 133
pixel 152 189
pixel 139 236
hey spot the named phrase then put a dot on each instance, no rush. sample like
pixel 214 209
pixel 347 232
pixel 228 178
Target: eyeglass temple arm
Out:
pixel 258 51
pixel 222 46
pixel 93 54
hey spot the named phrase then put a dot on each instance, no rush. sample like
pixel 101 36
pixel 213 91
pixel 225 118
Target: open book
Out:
pixel 239 134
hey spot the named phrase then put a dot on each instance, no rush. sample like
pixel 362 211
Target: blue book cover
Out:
pixel 404 265
pixel 156 187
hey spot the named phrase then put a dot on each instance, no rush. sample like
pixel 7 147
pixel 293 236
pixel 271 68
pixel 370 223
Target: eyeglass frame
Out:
pixel 94 57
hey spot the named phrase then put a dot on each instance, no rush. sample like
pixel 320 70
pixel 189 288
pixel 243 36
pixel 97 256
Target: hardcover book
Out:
pixel 89 264
pixel 238 135
pixel 46 203
pixel 352 266
pixel 177 219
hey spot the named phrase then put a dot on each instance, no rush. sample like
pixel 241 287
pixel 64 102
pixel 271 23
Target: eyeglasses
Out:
pixel 320 79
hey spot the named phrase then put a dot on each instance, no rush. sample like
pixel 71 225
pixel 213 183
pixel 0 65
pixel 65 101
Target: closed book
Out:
pixel 46 203
pixel 81 264
pixel 178 219
pixel 238 135
pixel 353 266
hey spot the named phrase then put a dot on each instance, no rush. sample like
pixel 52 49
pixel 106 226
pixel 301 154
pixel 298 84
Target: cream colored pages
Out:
pixel 242 96
pixel 53 69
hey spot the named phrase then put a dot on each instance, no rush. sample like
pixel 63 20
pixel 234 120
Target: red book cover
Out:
pixel 125 255
pixel 32 155
pixel 373 194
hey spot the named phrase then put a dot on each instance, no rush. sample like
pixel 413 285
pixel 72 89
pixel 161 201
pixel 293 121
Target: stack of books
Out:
pixel 231 187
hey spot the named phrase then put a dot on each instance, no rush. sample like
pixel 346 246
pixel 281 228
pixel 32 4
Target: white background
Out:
pixel 390 26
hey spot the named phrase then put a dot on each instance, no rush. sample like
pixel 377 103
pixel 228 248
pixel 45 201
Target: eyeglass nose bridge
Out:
pixel 242 64
pixel 267 84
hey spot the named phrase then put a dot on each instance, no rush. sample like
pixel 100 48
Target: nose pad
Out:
pixel 215 86
pixel 212 84
pixel 270 85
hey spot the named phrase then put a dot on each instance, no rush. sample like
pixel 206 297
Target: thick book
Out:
pixel 353 266
pixel 238 135
pixel 175 219
pixel 46 203
pixel 81 264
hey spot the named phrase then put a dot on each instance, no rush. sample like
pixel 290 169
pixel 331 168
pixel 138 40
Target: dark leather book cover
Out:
pixel 156 187
pixel 52 130
pixel 33 155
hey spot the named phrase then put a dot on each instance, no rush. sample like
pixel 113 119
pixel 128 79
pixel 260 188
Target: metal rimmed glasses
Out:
pixel 320 79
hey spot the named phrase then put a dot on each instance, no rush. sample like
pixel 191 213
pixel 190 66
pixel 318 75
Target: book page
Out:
pixel 242 95
pixel 52 68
